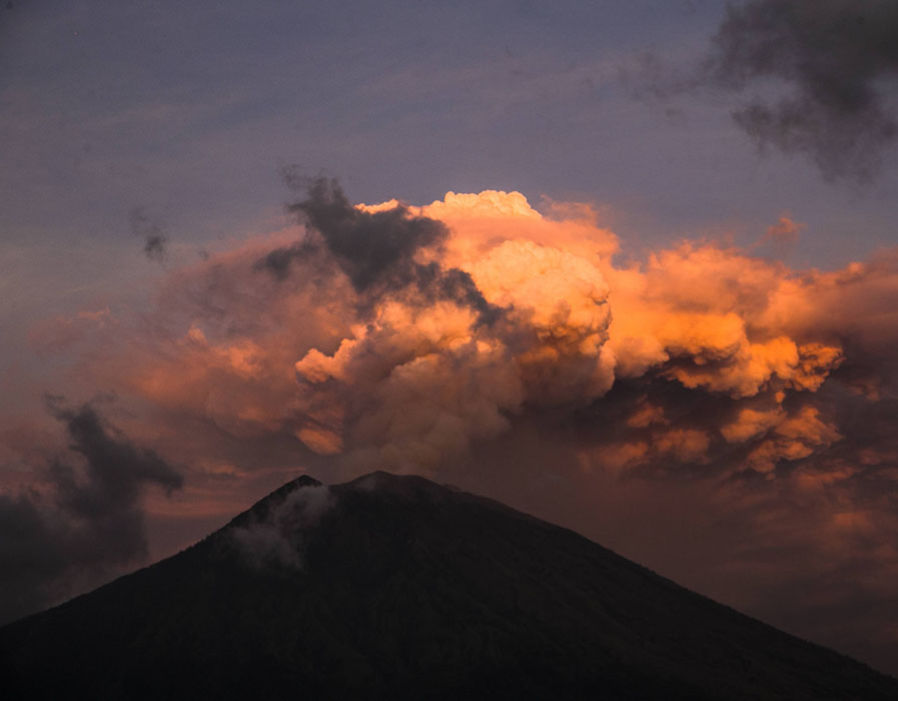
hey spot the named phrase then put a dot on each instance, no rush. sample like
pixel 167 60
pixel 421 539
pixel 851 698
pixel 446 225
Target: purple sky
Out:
pixel 142 140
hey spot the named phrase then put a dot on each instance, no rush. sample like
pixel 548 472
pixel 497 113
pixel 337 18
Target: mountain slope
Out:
pixel 394 586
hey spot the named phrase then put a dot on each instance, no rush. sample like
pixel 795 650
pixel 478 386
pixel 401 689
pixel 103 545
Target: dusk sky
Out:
pixel 629 266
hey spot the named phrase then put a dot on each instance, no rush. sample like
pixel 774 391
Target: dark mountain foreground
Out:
pixel 395 587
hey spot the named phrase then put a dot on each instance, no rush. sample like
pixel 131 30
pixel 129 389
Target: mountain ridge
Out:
pixel 395 586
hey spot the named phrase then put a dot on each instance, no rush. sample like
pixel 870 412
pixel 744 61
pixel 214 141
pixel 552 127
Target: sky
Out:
pixel 628 266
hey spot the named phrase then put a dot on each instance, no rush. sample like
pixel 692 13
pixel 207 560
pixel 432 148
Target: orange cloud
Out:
pixel 785 231
pixel 502 312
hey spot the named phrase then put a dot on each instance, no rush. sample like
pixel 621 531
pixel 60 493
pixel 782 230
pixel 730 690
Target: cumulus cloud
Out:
pixel 85 521
pixel 424 377
pixel 838 62
pixel 374 364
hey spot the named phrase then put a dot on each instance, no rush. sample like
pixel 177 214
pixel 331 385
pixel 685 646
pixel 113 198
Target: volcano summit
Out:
pixel 396 587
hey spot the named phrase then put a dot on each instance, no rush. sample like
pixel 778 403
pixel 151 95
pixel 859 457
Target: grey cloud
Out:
pixel 375 250
pixel 151 231
pixel 834 56
pixel 278 261
pixel 86 524
pixel 456 285
pixel 371 247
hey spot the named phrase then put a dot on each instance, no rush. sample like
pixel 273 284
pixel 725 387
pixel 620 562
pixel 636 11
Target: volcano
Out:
pixel 396 587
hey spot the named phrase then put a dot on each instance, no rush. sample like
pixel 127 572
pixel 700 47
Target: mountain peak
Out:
pixel 399 484
pixel 394 586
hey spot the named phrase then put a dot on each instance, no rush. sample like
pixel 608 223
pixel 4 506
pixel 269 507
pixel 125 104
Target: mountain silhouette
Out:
pixel 396 587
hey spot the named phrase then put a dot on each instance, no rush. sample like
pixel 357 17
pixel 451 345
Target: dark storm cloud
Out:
pixel 90 521
pixel 278 261
pixel 835 56
pixel 371 247
pixel 376 250
pixel 151 231
pixel 115 470
pixel 457 285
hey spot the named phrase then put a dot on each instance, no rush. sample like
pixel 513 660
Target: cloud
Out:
pixel 370 246
pixel 391 391
pixel 784 232
pixel 278 261
pixel 63 333
pixel 836 59
pixel 278 537
pixel 381 249
pixel 85 522
pixel 395 362
pixel 152 231
pixel 388 373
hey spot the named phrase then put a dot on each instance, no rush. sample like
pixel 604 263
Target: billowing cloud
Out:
pixel 425 377
pixel 837 60
pixel 86 520
pixel 352 341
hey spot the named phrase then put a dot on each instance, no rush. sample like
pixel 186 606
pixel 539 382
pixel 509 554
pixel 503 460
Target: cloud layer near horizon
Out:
pixel 482 342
